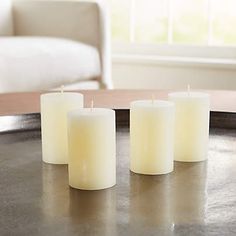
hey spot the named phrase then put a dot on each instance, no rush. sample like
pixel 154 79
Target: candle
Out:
pixel 191 126
pixel 152 136
pixel 92 157
pixel 54 108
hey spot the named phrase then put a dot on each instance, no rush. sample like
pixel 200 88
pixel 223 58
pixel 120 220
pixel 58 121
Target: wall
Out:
pixel 138 75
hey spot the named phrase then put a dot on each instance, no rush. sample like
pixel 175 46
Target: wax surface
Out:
pixel 92 150
pixel 152 137
pixel 54 109
pixel 191 126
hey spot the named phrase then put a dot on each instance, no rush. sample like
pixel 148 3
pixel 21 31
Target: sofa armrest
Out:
pixel 84 21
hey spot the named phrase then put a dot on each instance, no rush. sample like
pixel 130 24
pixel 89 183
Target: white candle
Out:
pixel 192 125
pixel 92 151
pixel 54 109
pixel 152 136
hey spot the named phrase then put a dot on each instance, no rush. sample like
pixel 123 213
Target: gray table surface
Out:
pixel 196 199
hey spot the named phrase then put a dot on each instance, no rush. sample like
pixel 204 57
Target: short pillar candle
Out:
pixel 92 148
pixel 152 137
pixel 191 125
pixel 54 109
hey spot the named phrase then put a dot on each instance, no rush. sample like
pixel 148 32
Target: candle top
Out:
pixel 188 94
pixel 151 103
pixel 59 95
pixel 91 112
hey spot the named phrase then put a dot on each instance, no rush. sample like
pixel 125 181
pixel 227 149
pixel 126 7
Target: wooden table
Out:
pixel 223 105
pixel 21 103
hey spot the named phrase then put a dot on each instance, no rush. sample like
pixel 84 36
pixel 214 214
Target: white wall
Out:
pixel 136 75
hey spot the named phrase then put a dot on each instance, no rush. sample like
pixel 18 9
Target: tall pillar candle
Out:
pixel 92 150
pixel 54 109
pixel 152 137
pixel 191 126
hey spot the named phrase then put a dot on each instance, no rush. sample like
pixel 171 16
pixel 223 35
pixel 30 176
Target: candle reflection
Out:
pixel 189 193
pixel 55 196
pixel 166 202
pixel 97 208
pixel 150 204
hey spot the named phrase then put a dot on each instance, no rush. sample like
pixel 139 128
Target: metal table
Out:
pixel 35 199
pixel 196 199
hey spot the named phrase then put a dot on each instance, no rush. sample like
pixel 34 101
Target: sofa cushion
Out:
pixel 6 25
pixel 38 63
pixel 82 85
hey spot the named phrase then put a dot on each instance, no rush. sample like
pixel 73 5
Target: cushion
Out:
pixel 6 25
pixel 39 63
pixel 81 85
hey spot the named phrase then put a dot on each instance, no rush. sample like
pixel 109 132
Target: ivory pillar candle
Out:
pixel 54 108
pixel 191 126
pixel 151 136
pixel 92 152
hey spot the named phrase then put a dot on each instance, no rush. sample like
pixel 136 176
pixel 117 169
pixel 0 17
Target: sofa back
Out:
pixel 6 22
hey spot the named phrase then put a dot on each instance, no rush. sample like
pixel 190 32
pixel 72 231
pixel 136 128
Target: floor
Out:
pixel 196 199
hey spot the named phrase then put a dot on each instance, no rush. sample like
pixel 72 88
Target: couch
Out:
pixel 45 44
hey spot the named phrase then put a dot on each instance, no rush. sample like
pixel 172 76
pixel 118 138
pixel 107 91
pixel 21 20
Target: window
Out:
pixel 176 23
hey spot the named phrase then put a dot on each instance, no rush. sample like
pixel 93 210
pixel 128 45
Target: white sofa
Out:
pixel 45 44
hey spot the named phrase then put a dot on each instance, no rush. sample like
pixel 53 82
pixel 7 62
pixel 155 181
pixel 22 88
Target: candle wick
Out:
pixel 188 90
pixel 62 88
pixel 92 105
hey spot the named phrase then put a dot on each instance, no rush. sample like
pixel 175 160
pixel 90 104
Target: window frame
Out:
pixel 175 55
pixel 196 51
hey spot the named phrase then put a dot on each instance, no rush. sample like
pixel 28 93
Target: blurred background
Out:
pixel 117 44
pixel 170 43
